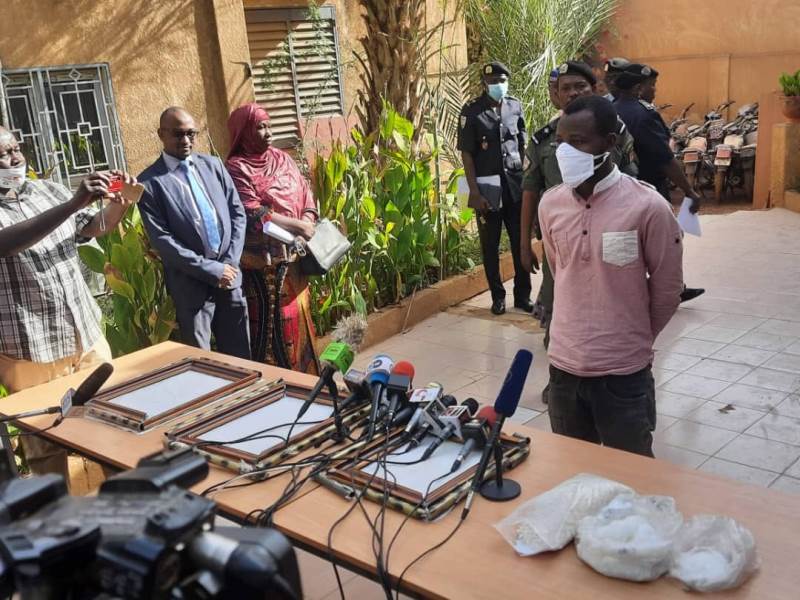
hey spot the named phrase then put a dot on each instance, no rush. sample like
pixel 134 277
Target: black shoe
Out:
pixel 525 305
pixel 498 307
pixel 691 293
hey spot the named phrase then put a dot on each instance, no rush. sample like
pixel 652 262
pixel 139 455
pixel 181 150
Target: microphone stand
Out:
pixel 31 413
pixel 500 490
pixel 341 429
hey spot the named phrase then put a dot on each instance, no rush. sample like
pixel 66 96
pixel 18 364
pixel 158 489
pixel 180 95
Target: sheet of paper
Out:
pixel 489 180
pixel 689 222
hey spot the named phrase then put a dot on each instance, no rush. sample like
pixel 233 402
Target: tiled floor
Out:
pixel 727 365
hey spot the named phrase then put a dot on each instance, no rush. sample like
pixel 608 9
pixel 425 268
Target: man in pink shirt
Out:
pixel 615 251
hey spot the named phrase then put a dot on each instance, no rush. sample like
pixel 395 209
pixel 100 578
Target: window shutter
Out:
pixel 295 67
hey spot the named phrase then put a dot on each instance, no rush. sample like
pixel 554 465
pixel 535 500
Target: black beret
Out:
pixel 617 65
pixel 496 68
pixel 633 74
pixel 573 67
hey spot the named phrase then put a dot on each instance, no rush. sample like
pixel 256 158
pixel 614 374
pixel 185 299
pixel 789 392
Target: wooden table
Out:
pixel 123 449
pixel 478 563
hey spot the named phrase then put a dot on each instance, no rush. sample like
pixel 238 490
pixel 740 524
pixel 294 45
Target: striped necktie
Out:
pixel 204 206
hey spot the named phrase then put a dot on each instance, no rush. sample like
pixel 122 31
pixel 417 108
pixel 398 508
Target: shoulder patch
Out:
pixel 539 136
pixel 646 104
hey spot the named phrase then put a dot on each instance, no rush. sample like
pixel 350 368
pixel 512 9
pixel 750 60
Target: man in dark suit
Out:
pixel 196 222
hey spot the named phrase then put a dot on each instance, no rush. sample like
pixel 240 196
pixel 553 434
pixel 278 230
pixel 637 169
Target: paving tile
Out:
pixel 662 376
pixel 695 347
pixel 779 327
pixel 718 369
pixel 676 405
pixel 675 361
pixel 743 355
pixel 678 456
pixel 790 407
pixel 786 484
pixel 663 422
pixel 724 416
pixel 761 453
pixel 692 385
pixel 765 341
pixel 749 396
pixel 317 577
pixel 742 473
pixel 794 348
pixel 712 333
pixel 741 322
pixel 541 422
pixel 778 428
pixel 523 415
pixel 784 362
pixel 697 437
pixel 794 470
pixel 773 380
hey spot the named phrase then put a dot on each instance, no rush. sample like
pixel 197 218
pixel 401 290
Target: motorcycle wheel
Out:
pixel 719 184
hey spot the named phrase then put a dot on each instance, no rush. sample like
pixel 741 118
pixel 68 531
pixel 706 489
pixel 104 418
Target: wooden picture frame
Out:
pixel 349 478
pixel 107 404
pixel 242 461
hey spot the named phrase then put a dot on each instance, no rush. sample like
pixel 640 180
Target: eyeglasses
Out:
pixel 179 134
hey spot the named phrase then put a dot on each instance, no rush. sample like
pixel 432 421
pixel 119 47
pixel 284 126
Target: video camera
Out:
pixel 143 536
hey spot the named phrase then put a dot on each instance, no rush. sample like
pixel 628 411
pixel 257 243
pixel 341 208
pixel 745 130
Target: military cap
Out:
pixel 496 68
pixel 617 65
pixel 573 67
pixel 633 74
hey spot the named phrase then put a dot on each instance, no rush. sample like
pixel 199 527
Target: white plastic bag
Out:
pixel 630 538
pixel 713 553
pixel 549 521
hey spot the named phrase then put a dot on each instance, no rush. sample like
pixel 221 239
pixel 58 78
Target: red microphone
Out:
pixel 400 380
pixel 476 433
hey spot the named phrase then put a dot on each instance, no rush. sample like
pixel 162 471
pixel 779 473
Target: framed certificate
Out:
pixel 165 394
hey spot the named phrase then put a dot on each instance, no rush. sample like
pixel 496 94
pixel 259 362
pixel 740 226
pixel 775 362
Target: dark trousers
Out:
pixel 221 312
pixel 615 410
pixel 490 226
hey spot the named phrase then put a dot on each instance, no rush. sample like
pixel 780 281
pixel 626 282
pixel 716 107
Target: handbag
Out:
pixel 325 248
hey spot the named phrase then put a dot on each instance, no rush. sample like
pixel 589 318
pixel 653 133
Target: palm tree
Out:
pixel 532 37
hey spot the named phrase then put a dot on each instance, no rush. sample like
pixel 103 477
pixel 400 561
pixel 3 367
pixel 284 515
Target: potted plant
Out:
pixel 791 96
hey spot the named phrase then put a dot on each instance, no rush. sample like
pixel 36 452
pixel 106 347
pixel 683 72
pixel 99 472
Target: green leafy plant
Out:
pixel 381 190
pixel 790 84
pixel 141 313
pixel 532 37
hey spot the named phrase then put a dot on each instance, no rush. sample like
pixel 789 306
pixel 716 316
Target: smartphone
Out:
pixel 115 185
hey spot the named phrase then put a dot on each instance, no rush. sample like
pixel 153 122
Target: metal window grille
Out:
pixel 294 54
pixel 65 118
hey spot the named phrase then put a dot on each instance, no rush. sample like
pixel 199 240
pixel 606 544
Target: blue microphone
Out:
pixel 378 373
pixel 505 406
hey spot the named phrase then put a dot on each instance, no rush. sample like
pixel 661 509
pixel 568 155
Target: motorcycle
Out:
pixel 734 158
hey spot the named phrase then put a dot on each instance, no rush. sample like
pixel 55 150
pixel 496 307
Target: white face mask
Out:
pixel 577 166
pixel 13 178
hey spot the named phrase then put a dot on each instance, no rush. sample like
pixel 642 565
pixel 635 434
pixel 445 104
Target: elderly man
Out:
pixel 49 322
pixel 196 222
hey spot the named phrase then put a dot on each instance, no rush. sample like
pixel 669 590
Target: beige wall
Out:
pixel 708 51
pixel 153 52
pixel 171 52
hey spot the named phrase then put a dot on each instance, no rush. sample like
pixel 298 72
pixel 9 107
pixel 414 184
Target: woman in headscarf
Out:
pixel 272 189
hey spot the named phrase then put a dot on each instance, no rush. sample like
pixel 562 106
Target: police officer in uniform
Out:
pixel 657 164
pixel 613 67
pixel 574 79
pixel 491 138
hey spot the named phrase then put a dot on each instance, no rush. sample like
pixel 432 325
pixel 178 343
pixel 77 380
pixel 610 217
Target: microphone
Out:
pixel 429 421
pixel 505 405
pixel 71 398
pixel 355 381
pixel 454 417
pixel 398 386
pixel 377 377
pixel 338 355
pixel 476 434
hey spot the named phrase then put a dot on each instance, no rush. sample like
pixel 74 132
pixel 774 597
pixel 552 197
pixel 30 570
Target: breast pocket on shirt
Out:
pixel 621 248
